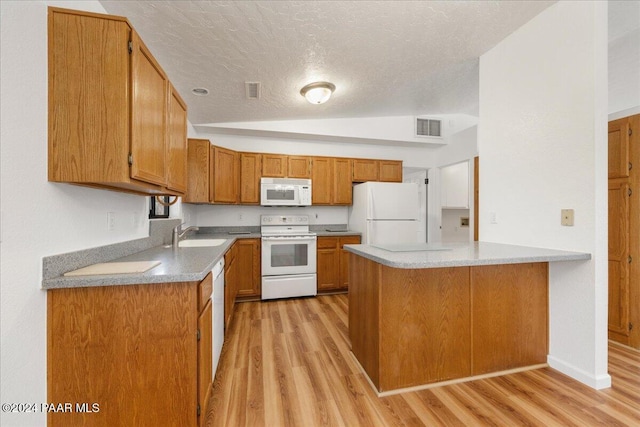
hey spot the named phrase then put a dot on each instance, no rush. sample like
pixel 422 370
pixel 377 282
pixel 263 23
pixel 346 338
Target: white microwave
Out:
pixel 285 192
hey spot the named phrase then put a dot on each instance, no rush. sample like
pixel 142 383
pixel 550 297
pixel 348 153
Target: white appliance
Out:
pixel 288 257
pixel 385 212
pixel 285 192
pixel 218 313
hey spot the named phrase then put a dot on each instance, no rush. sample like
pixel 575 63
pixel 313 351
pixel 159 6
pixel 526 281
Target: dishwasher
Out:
pixel 218 314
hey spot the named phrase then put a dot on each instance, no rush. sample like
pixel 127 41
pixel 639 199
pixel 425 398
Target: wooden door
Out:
pixel 249 279
pixel 322 177
pixel 198 152
pixel 365 170
pixel 342 185
pixel 177 143
pixel 225 176
pixel 619 257
pixel 148 115
pixel 299 167
pixel 274 165
pixel 250 171
pixel 390 170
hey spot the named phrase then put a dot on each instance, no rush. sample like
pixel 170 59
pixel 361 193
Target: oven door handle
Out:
pixel 290 239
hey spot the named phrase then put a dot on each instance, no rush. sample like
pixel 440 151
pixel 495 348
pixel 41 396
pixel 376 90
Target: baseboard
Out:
pixel 596 382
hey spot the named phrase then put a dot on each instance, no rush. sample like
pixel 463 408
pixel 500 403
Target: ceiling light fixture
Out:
pixel 200 91
pixel 318 92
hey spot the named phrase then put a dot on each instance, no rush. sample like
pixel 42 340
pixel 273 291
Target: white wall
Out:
pixel 543 147
pixel 624 59
pixel 39 218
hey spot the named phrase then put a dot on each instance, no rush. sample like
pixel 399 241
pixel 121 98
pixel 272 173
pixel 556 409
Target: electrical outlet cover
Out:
pixel 567 217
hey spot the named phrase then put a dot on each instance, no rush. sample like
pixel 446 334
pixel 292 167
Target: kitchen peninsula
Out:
pixel 423 314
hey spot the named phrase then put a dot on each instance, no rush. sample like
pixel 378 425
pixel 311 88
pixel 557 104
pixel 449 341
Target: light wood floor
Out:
pixel 287 363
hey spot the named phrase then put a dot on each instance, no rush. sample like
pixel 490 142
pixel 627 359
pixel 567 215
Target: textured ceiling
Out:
pixel 386 58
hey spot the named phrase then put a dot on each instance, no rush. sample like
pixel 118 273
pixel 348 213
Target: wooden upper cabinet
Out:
pixel 365 170
pixel 250 170
pixel 148 115
pixel 619 165
pixel 299 167
pixel 275 165
pixel 322 179
pixel 177 143
pixel 108 107
pixel 198 153
pixel 342 188
pixel 390 170
pixel 224 175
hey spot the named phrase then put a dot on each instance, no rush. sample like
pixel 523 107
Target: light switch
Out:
pixel 567 217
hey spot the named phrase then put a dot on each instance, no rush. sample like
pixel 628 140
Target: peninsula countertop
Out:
pixel 462 254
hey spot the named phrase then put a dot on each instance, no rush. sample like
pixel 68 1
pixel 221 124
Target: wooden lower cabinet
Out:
pixel 333 263
pixel 230 283
pixel 249 271
pixel 410 327
pixel 132 350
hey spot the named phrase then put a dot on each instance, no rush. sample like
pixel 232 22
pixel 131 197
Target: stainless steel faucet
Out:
pixel 178 233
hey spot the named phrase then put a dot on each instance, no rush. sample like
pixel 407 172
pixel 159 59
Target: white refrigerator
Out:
pixel 385 212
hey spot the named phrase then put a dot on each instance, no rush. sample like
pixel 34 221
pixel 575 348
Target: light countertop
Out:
pixel 465 254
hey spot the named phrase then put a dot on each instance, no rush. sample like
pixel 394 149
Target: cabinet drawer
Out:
pixel 327 242
pixel 205 289
pixel 349 240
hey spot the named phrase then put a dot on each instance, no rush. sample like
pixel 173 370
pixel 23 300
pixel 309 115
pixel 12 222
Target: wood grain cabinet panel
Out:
pixel 322 179
pixel 177 143
pixel 299 167
pixel 410 327
pixel 110 121
pixel 132 349
pixel 225 176
pixel 198 152
pixel 342 181
pixel 619 257
pixel 250 172
pixel 249 271
pixel 390 171
pixel 333 263
pixel 510 316
pixel 365 170
pixel 274 165
pixel 619 165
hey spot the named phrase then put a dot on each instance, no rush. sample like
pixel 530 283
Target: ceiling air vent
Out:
pixel 428 127
pixel 252 89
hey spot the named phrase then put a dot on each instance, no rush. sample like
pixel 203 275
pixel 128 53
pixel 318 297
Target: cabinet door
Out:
pixel 198 151
pixel 365 170
pixel 619 165
pixel 342 188
pixel 390 171
pixel 250 170
pixel 328 264
pixel 248 259
pixel 177 143
pixel 89 117
pixel 205 356
pixel 148 115
pixel 618 257
pixel 344 259
pixel 225 176
pixel 322 181
pixel 299 167
pixel 274 165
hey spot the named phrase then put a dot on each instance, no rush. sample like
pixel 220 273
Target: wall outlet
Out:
pixel 240 217
pixel 111 221
pixel 493 218
pixel 566 217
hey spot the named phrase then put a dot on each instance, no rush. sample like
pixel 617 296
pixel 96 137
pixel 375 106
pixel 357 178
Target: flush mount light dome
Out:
pixel 200 91
pixel 318 92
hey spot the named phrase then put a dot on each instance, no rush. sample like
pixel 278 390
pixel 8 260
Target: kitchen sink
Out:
pixel 195 243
